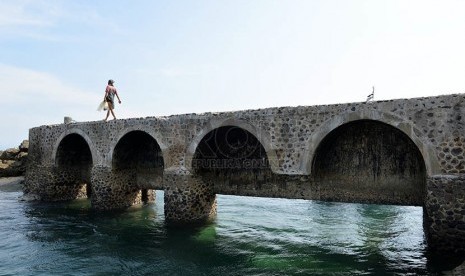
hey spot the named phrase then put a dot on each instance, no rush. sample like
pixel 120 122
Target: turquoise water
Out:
pixel 251 236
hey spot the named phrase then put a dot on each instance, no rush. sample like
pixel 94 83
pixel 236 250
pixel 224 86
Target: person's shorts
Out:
pixel 110 102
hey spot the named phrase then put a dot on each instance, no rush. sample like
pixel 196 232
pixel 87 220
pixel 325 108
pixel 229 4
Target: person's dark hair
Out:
pixel 111 81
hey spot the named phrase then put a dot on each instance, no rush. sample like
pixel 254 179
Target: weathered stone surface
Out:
pixel 188 200
pixel 444 207
pixel 49 183
pixel 458 271
pixel 113 189
pixel 392 152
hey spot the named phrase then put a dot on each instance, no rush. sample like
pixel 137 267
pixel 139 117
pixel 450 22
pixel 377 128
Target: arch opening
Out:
pixel 138 160
pixel 233 160
pixel 369 161
pixel 74 163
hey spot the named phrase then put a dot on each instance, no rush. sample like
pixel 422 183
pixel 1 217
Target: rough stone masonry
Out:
pixel 406 152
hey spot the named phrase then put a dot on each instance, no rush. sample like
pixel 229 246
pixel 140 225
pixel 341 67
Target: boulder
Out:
pixel 13 161
pixel 9 154
pixel 21 156
pixel 5 164
pixel 24 147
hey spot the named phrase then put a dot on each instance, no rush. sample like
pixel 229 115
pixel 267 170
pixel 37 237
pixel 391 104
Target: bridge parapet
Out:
pixel 290 135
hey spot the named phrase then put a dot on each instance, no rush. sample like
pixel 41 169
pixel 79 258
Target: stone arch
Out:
pixel 81 133
pixel 155 136
pixel 370 161
pixel 261 135
pixel 139 147
pixel 427 151
pixel 73 159
pixel 231 160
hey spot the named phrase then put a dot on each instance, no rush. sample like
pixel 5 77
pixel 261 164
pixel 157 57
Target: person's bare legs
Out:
pixel 113 113
pixel 110 109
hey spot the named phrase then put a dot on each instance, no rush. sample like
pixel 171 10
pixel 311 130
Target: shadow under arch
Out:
pixel 427 151
pixel 233 161
pixel 372 162
pixel 262 136
pixel 83 135
pixel 73 161
pixel 157 138
pixel 138 163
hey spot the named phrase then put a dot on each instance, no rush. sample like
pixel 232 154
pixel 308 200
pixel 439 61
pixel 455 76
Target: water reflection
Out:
pixel 258 236
pixel 329 236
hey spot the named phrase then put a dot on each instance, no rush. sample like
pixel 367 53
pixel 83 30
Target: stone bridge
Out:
pixel 405 152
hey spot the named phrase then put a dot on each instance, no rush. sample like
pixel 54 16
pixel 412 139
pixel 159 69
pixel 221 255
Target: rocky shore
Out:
pixel 13 161
pixel 12 184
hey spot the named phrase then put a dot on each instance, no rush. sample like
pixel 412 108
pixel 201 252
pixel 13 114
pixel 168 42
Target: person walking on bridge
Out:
pixel 109 97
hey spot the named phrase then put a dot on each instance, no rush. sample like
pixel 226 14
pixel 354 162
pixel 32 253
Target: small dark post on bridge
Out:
pixel 371 96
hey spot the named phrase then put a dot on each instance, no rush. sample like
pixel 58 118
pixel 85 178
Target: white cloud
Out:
pixel 26 13
pixel 24 85
pixel 41 20
pixel 30 98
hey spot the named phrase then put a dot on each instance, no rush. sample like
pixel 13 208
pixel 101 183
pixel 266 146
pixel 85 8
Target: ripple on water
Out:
pixel 253 236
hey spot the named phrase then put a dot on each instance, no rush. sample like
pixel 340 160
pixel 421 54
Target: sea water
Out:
pixel 250 236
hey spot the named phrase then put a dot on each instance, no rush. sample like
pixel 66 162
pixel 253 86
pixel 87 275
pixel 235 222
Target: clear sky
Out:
pixel 171 57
